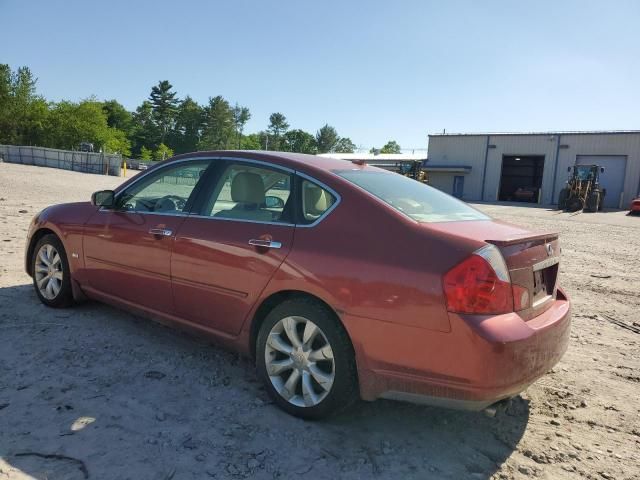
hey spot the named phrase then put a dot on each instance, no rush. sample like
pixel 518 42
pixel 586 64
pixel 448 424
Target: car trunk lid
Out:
pixel 531 257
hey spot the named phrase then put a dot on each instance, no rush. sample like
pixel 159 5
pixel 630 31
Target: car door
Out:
pixel 127 249
pixel 227 252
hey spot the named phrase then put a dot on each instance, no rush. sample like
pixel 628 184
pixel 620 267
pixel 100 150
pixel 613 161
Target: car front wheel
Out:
pixel 51 278
pixel 305 359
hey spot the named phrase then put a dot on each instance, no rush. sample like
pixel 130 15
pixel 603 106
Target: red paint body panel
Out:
pixel 380 271
pixel 635 205
pixel 122 259
pixel 217 276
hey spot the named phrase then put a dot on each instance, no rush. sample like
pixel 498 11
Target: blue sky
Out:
pixel 376 70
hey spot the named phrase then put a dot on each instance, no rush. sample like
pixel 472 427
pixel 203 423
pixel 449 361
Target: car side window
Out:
pixel 165 191
pixel 315 201
pixel 248 192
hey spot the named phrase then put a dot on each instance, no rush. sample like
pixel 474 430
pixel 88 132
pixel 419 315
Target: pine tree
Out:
pixel 165 107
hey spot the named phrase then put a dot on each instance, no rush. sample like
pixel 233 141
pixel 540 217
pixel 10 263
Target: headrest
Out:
pixel 316 200
pixel 247 187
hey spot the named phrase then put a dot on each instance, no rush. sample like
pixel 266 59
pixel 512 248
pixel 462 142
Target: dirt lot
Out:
pixel 93 392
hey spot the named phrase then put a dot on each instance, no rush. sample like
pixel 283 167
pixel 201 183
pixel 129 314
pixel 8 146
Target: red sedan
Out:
pixel 634 208
pixel 341 280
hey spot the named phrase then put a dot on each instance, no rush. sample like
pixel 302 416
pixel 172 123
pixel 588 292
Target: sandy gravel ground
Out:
pixel 93 392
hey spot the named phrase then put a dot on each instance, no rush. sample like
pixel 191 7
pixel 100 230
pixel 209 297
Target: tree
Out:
pixel 165 107
pixel 241 115
pixel 251 142
pixel 144 132
pixel 218 126
pixel 69 124
pixel 146 154
pixel 118 116
pixel 326 139
pixel 22 112
pixel 162 152
pixel 299 141
pixel 188 129
pixel 391 147
pixel 277 126
pixel 117 142
pixel 344 145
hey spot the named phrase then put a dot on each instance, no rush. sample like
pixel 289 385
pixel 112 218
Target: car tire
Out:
pixel 305 359
pixel 50 272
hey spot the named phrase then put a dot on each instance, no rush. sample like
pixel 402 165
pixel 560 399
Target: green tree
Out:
pixel 22 112
pixel 69 124
pixel 277 126
pixel 144 132
pixel 218 130
pixel 299 141
pixel 326 139
pixel 117 142
pixel 165 107
pixel 241 115
pixel 145 153
pixel 251 142
pixel 344 145
pixel 118 116
pixel 162 152
pixel 391 147
pixel 188 129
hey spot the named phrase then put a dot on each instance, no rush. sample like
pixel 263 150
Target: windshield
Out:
pixel 415 199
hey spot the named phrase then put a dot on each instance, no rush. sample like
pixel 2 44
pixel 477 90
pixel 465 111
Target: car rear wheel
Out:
pixel 305 359
pixel 51 278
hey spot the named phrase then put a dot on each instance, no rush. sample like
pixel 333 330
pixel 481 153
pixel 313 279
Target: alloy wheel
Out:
pixel 299 361
pixel 48 271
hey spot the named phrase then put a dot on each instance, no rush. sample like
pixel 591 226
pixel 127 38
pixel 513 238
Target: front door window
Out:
pixel 166 191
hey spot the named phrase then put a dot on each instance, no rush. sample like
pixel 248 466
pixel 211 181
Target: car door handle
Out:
pixel 265 243
pixel 165 232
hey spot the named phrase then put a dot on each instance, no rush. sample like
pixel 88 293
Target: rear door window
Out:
pixel 251 193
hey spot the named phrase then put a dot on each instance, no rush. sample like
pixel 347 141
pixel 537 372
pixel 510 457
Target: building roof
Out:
pixel 565 132
pixel 372 156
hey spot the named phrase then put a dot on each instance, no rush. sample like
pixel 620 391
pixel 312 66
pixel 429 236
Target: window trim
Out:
pixel 328 210
pixel 206 181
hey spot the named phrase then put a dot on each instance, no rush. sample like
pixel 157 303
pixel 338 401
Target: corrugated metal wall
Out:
pixel 464 151
pixel 472 150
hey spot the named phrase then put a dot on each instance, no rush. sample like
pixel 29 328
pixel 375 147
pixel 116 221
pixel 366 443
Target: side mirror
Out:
pixel 271 201
pixel 103 198
pixel 601 169
pixel 568 169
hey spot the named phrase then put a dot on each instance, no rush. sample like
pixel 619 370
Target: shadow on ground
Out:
pixel 93 392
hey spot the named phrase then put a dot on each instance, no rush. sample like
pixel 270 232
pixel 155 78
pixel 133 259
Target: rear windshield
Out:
pixel 415 199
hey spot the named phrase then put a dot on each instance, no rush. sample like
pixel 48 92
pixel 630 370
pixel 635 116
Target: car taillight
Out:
pixel 479 284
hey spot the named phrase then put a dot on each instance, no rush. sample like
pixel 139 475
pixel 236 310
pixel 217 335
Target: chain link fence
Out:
pixel 88 162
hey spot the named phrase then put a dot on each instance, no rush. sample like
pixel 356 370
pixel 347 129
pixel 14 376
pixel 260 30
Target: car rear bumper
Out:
pixel 484 359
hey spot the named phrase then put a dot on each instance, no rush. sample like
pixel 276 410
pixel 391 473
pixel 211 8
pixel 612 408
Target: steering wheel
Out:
pixel 170 202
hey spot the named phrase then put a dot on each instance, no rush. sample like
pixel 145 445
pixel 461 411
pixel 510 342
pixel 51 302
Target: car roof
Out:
pixel 296 161
pixel 321 168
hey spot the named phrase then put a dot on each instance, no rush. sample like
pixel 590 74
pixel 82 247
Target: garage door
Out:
pixel 613 177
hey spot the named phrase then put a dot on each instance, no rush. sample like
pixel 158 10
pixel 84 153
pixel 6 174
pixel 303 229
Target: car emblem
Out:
pixel 549 249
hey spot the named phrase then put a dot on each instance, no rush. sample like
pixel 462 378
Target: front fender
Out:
pixel 67 222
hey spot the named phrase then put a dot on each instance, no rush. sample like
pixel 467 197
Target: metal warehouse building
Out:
pixel 491 167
